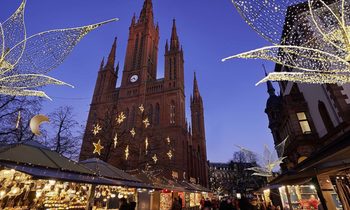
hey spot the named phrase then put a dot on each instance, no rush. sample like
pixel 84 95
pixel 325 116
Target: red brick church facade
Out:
pixel 163 100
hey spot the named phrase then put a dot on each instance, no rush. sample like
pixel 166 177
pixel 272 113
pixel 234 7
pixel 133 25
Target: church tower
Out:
pixel 198 133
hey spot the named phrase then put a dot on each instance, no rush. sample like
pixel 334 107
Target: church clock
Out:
pixel 134 78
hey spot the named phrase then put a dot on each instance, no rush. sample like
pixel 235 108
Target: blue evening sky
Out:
pixel 209 30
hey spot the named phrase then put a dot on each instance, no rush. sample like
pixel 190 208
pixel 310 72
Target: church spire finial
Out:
pixel 196 93
pixel 174 43
pixel 111 57
pixel 146 12
pixel 270 88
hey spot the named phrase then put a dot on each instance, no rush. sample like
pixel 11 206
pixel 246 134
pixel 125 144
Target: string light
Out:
pixel 98 147
pixel 311 38
pixel 97 128
pixel 25 60
pixel 121 117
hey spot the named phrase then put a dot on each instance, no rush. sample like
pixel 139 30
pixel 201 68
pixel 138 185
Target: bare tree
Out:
pixel 15 116
pixel 65 134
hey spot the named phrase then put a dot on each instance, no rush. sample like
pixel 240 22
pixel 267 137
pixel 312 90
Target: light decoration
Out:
pixel 267 162
pixel 146 122
pixel 168 140
pixel 18 119
pixel 146 144
pixel 115 140
pixel 120 118
pixel 133 132
pixel 25 60
pixel 97 147
pixel 35 123
pixel 155 158
pixel 170 154
pixel 97 128
pixel 126 152
pixel 141 108
pixel 311 38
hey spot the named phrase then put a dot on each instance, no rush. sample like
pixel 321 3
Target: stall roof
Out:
pixel 34 154
pixel 106 170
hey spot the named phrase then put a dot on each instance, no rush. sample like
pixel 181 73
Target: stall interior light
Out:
pixel 312 187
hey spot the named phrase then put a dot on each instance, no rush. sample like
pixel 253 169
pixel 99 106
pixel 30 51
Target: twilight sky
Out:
pixel 208 30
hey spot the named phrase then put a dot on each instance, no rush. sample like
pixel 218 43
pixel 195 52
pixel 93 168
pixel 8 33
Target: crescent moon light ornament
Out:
pixel 35 123
pixel 98 147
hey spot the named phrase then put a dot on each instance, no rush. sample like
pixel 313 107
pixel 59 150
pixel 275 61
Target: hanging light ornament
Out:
pixel 141 108
pixel 97 128
pixel 170 154
pixel 18 119
pixel 126 152
pixel 155 159
pixel 146 122
pixel 121 117
pixel 98 147
pixel 25 60
pixel 168 140
pixel 311 39
pixel 115 140
pixel 146 144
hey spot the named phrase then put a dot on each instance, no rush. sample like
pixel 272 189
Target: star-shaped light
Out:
pixel 146 122
pixel 133 132
pixel 155 159
pixel 126 152
pixel 120 118
pixel 146 144
pixel 97 129
pixel 170 154
pixel 115 140
pixel 141 108
pixel 168 140
pixel 24 61
pixel 98 147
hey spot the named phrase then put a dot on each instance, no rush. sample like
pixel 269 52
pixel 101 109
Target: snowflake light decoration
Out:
pixel 120 118
pixel 155 158
pixel 97 128
pixel 170 154
pixel 141 108
pixel 25 60
pixel 310 39
pixel 267 162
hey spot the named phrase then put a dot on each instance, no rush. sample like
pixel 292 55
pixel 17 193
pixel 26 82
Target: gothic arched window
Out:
pixel 172 112
pixel 150 114
pixel 327 121
pixel 170 72
pixel 157 115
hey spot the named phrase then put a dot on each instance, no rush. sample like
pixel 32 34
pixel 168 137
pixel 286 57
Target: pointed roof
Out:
pixel 146 12
pixel 174 43
pixel 111 56
pixel 270 88
pixel 102 63
pixel 196 93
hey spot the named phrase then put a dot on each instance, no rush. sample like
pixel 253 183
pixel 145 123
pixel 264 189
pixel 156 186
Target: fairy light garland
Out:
pixel 311 38
pixel 24 61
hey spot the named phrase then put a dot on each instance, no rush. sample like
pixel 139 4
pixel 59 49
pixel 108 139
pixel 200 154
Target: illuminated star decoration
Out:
pixel 170 154
pixel 24 61
pixel 142 109
pixel 313 43
pixel 121 117
pixel 115 140
pixel 133 132
pixel 98 147
pixel 146 122
pixel 146 144
pixel 168 140
pixel 155 159
pixel 126 152
pixel 97 129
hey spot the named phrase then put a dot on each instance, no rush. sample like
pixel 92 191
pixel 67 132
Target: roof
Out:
pixel 106 170
pixel 34 154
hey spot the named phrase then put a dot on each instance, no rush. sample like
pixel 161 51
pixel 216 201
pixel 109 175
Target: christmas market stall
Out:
pixel 34 177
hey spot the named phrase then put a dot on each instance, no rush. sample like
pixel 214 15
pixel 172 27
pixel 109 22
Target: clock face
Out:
pixel 134 78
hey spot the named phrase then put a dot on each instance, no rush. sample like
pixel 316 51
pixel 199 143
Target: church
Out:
pixel 142 124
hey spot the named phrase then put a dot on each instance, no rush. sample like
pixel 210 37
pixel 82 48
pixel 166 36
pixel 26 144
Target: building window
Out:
pixel 327 121
pixel 150 114
pixel 303 122
pixel 172 113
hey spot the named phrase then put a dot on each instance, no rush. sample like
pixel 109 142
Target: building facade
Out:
pixel 167 142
